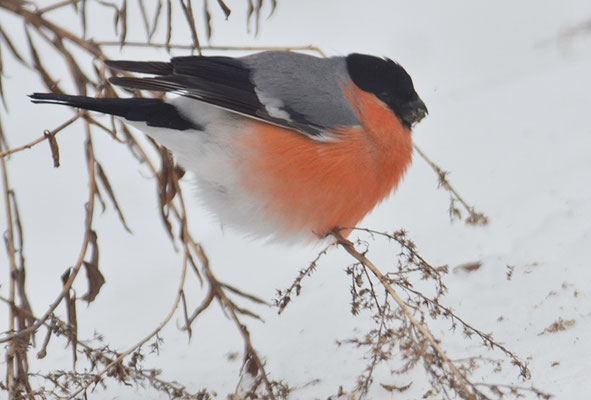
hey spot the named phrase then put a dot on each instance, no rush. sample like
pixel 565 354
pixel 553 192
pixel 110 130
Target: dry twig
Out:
pixel 464 391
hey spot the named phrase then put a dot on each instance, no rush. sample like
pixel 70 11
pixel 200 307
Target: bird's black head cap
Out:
pixel 390 83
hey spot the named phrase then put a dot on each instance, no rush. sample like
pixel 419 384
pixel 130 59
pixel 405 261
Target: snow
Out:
pixel 509 117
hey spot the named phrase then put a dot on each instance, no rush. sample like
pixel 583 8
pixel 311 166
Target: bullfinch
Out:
pixel 282 145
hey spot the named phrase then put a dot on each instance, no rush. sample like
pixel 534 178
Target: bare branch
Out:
pixel 85 243
pixel 350 248
pixel 474 218
pixel 225 48
pixel 45 136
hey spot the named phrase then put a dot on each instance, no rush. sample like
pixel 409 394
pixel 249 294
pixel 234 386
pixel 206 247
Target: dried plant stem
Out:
pixel 44 137
pixel 187 7
pixel 145 339
pixel 284 296
pixel 486 338
pixel 9 240
pixel 350 248
pixel 57 5
pixel 514 389
pixel 375 354
pixel 229 305
pixel 441 174
pixel 475 218
pixel 221 48
pixel 88 234
pixel 63 326
pixel 36 19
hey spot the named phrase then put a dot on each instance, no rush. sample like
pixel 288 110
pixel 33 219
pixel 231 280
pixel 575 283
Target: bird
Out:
pixel 281 145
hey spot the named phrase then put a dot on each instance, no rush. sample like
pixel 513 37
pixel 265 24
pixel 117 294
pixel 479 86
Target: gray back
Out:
pixel 308 86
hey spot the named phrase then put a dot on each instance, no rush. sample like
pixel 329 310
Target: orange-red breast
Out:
pixel 281 144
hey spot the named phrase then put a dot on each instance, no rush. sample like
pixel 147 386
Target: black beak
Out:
pixel 414 112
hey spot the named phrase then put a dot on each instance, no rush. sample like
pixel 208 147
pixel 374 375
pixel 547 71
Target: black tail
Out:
pixel 154 112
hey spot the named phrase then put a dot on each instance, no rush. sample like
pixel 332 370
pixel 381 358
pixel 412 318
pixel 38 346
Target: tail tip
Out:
pixel 36 97
pixel 47 97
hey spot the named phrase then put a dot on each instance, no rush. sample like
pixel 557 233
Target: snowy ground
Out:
pixel 509 116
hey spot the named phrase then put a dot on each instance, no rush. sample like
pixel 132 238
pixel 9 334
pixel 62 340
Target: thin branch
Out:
pixel 187 7
pixel 85 244
pixel 220 294
pixel 475 218
pixel 60 327
pixel 136 346
pixel 39 22
pixel 11 353
pixel 284 296
pixel 59 4
pixel 513 389
pixel 486 338
pixel 44 137
pixel 221 48
pixel 350 248
pixel 375 353
pixel 204 305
